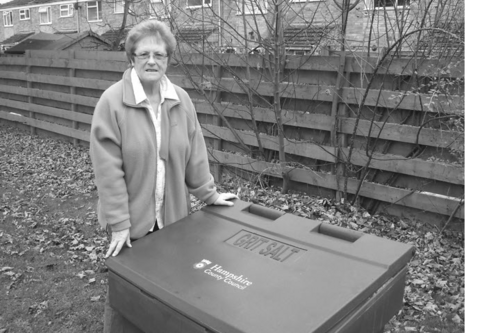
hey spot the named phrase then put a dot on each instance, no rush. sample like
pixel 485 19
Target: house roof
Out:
pixel 70 39
pixel 304 36
pixel 193 35
pixel 62 32
pixel 39 41
pixel 45 41
pixel 448 42
pixel 25 3
pixel 111 34
pixel 16 38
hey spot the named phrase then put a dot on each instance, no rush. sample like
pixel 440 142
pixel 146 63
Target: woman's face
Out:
pixel 150 69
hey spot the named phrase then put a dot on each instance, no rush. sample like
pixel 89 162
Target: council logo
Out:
pixel 202 264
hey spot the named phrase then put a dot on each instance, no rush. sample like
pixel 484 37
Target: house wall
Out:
pixel 77 22
pixel 316 13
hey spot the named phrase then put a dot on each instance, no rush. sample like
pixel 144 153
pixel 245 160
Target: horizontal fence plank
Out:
pixel 304 149
pixel 414 167
pixel 49 54
pixel 218 59
pixel 79 54
pixel 382 99
pixel 51 95
pixel 62 97
pixel 57 80
pixel 14 90
pixel 404 100
pixel 13 75
pixel 13 61
pixel 418 200
pixel 287 90
pixel 70 81
pixel 290 118
pixel 51 127
pixel 452 68
pixel 354 64
pixel 60 113
pixel 107 66
pixel 184 82
pixel 404 133
pixel 313 63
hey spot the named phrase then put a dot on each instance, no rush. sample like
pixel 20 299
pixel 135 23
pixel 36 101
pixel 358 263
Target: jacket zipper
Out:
pixel 156 165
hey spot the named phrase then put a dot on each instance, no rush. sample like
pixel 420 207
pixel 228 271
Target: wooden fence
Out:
pixel 336 129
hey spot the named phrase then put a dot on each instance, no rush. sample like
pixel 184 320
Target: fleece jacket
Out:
pixel 123 153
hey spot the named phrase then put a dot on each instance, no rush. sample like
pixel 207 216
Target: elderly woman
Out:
pixel 147 146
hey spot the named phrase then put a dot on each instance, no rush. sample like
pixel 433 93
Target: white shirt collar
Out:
pixel 167 90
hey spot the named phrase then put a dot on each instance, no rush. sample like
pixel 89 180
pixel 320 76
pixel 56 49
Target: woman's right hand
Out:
pixel 118 238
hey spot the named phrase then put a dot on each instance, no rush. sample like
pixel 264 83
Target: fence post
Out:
pixel 217 121
pixel 27 57
pixel 74 124
pixel 339 111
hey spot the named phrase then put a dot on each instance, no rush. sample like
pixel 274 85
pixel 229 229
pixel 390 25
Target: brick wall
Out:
pixel 317 13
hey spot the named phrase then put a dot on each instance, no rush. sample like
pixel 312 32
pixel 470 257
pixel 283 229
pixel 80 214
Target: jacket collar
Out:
pixel 133 93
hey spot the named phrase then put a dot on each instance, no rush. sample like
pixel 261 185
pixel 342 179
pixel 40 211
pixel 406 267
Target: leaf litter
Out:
pixel 37 170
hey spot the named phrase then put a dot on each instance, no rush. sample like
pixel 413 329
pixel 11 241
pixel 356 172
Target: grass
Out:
pixel 42 291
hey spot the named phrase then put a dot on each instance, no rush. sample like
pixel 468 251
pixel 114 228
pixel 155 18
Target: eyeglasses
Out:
pixel 146 55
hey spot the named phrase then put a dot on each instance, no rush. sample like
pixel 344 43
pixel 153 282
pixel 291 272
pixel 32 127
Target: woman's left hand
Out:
pixel 223 198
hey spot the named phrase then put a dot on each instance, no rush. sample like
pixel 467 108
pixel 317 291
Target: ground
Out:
pixel 52 272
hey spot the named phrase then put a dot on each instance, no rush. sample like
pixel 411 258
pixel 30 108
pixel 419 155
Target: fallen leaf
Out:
pixel 456 319
pixel 431 307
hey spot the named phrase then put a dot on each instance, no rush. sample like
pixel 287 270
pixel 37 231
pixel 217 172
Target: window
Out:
pixel 7 19
pixel 387 4
pixel 198 3
pixel 94 11
pixel 45 15
pixel 119 6
pixel 252 7
pixel 66 10
pixel 24 14
pixel 298 52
